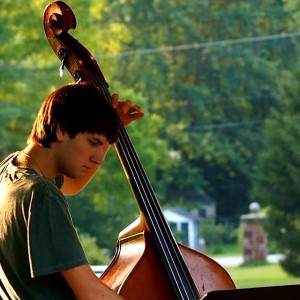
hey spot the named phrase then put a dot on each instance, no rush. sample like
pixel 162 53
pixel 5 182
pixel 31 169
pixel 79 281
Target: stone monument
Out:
pixel 254 236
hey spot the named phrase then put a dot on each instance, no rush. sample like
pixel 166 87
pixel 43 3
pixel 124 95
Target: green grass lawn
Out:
pixel 255 275
pixel 261 275
pixel 225 251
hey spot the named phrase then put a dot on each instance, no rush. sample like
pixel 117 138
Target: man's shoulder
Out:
pixel 7 160
pixel 42 185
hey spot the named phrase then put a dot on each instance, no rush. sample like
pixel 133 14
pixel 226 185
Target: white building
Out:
pixel 184 226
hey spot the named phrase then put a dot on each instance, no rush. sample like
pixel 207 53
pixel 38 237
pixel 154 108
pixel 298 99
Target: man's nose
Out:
pixel 97 157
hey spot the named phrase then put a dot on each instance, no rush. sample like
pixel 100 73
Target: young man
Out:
pixel 40 254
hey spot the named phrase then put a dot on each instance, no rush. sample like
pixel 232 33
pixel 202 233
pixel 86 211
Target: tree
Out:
pixel 213 84
pixel 25 69
pixel 94 254
pixel 277 178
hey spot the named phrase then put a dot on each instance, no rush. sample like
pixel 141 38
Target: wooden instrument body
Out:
pixel 136 272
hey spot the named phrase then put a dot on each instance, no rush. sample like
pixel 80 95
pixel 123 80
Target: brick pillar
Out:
pixel 254 237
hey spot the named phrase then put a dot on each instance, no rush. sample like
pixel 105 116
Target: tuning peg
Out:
pixel 61 69
pixel 62 53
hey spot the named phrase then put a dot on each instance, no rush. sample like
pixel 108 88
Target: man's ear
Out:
pixel 60 135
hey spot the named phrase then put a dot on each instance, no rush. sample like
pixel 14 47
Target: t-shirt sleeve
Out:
pixel 53 243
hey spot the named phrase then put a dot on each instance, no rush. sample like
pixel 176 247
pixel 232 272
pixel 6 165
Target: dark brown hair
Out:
pixel 75 108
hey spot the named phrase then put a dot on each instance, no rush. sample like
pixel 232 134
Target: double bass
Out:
pixel 148 263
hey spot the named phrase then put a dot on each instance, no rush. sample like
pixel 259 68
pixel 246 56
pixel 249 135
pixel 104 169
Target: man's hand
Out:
pixel 126 110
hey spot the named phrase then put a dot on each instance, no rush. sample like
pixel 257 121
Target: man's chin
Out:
pixel 76 176
pixel 81 174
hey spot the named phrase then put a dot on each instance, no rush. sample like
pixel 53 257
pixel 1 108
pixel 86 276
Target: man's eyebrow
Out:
pixel 97 140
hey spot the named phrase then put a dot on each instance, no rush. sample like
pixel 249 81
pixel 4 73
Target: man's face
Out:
pixel 76 156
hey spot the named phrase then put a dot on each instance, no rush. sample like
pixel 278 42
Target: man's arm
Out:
pixel 128 113
pixel 86 285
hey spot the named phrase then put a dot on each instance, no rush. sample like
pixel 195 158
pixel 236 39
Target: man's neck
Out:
pixel 39 158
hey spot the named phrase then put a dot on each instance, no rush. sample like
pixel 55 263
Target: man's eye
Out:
pixel 93 143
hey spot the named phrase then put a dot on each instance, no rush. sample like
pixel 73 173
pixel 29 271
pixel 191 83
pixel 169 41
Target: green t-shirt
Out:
pixel 37 236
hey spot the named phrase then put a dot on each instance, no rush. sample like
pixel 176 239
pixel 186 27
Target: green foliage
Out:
pixel 277 178
pixel 217 235
pixel 94 254
pixel 10 132
pixel 212 97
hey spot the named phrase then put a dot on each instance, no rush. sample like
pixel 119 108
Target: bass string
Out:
pixel 147 200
